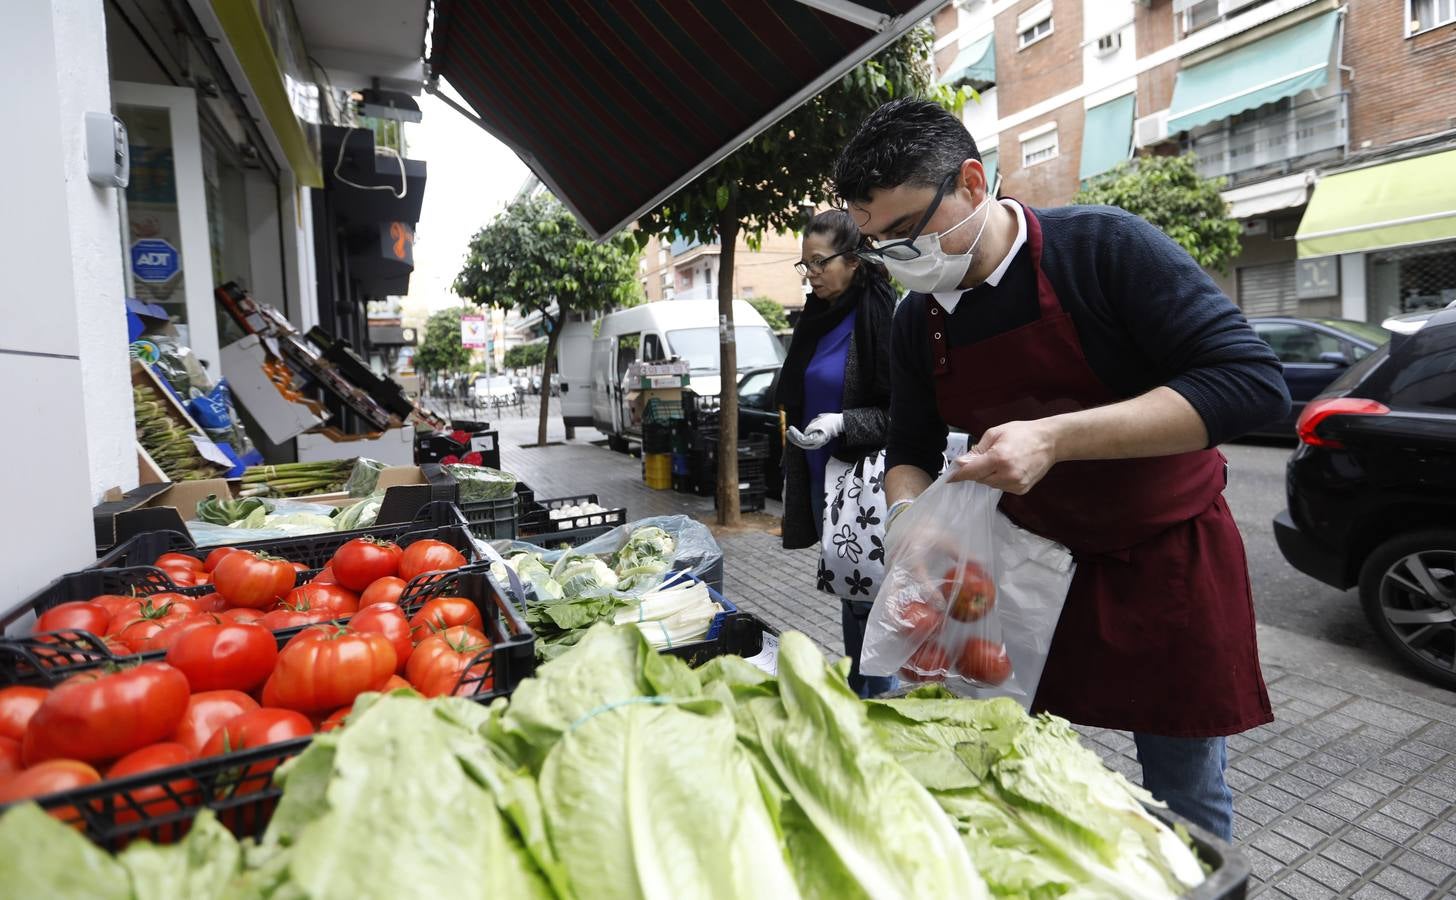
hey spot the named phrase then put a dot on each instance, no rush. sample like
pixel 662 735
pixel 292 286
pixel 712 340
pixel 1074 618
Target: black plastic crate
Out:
pixel 1228 876
pixel 740 634
pixel 750 499
pixel 489 520
pixel 160 805
pixel 313 550
pixel 432 447
pixel 537 520
pixel 562 539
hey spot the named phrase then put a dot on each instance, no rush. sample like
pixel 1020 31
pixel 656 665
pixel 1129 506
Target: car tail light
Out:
pixel 1316 411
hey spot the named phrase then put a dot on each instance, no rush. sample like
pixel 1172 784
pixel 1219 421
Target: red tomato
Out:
pixel 386 619
pixel 929 663
pixel 336 718
pixel 154 799
pixel 258 728
pixel 385 590
pixel 984 661
pixel 970 592
pixel 325 576
pixel 180 575
pixel 207 711
pixel 441 660
pixel 429 556
pixel 78 615
pixel 298 567
pixel 287 617
pixel 164 639
pixel 326 667
pixel 17 705
pixel 252 580
pixel 395 683
pixel 225 656
pixel 210 603
pixel 328 597
pixel 50 777
pixel 217 556
pixel 917 620
pixel 112 603
pixel 135 625
pixel 202 578
pixel 105 715
pixel 241 614
pixel 180 559
pixel 444 612
pixel 362 561
pixel 9 757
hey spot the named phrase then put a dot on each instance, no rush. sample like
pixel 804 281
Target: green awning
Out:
pixel 1412 201
pixel 975 64
pixel 1280 65
pixel 1107 136
pixel 988 161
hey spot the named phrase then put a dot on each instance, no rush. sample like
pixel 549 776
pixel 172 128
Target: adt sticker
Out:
pixel 155 261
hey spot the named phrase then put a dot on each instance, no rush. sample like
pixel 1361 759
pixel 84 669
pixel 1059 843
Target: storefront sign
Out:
pixel 155 261
pixel 472 332
pixel 1317 277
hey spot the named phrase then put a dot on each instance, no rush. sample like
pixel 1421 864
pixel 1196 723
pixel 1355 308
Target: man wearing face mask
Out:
pixel 1097 367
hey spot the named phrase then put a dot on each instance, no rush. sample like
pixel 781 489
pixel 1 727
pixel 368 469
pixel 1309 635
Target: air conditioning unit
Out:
pixel 1152 129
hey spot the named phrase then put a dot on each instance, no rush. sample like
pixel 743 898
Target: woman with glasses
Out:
pixel 834 389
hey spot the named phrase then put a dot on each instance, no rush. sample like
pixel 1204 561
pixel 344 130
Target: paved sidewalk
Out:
pixel 1351 792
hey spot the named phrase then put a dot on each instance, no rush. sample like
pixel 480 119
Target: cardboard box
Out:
pixel 395 447
pixel 167 506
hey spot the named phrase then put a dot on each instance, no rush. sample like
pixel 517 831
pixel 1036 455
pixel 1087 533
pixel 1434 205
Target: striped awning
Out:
pixel 615 106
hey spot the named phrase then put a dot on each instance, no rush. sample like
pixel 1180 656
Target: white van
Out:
pixel 667 329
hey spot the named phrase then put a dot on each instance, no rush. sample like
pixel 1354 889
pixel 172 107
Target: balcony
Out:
pixel 1275 140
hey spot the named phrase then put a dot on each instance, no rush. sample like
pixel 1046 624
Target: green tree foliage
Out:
pixel 765 184
pixel 1168 191
pixel 524 356
pixel 440 351
pixel 535 258
pixel 772 312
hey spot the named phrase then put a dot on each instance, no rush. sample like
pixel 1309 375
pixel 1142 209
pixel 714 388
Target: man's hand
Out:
pixel 1012 457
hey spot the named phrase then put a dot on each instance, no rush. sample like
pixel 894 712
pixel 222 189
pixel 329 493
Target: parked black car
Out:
pixel 1372 493
pixel 757 415
pixel 1314 352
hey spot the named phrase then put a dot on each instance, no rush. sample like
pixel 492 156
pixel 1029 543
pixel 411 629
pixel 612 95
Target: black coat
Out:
pixel 866 409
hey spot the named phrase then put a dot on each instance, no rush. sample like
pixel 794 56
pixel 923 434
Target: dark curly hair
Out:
pixel 838 225
pixel 906 141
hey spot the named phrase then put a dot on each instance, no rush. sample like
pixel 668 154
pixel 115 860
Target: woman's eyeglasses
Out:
pixel 816 266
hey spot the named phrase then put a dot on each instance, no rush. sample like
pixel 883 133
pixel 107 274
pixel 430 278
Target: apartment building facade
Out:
pixel 1329 121
pixel 685 269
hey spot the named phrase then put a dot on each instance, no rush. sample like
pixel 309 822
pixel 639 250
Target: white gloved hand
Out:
pixel 813 440
pixel 832 424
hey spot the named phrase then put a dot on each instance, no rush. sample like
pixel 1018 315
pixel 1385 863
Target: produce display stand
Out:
pixel 489 520
pixel 160 805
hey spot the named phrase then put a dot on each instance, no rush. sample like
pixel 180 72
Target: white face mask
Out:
pixel 934 270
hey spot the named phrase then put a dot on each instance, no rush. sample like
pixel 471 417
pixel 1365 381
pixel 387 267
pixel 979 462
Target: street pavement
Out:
pixel 1350 792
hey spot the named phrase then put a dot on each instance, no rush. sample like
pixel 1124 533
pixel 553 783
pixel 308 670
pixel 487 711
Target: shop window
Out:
pixel 1410 279
pixel 1039 149
pixel 1423 15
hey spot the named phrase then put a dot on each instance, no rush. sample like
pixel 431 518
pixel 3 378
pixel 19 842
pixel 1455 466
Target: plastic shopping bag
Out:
pixel 968 599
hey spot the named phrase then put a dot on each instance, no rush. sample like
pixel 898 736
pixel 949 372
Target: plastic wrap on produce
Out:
pixel 365 478
pixel 695 549
pixel 284 519
pixel 482 483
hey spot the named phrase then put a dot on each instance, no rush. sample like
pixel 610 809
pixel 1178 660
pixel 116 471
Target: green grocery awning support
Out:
pixel 974 65
pixel 1299 58
pixel 1412 201
pixel 1107 136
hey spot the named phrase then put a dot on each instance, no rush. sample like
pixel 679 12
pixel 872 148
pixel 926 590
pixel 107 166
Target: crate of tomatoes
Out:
pixel 125 712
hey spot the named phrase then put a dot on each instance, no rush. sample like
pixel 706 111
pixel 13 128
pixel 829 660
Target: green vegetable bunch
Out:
pixel 167 439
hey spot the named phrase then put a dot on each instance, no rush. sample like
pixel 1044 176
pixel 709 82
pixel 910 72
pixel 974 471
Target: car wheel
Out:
pixel 1408 590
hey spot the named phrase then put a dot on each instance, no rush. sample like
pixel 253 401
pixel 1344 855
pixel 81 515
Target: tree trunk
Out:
pixel 728 501
pixel 547 368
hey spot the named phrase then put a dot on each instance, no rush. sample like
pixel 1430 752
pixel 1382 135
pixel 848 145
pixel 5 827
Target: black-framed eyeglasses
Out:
pixel 905 250
pixel 816 266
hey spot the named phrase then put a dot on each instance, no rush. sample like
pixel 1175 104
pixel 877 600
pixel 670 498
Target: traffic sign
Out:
pixel 155 261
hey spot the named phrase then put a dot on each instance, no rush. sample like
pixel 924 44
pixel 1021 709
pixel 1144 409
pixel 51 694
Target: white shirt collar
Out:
pixel 948 300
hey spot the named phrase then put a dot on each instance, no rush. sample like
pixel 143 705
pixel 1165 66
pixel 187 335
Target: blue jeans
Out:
pixel 1187 774
pixel 854 616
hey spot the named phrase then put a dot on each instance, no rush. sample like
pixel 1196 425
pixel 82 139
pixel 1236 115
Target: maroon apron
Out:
pixel 1157 634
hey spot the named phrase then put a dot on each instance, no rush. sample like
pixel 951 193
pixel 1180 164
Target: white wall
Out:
pixel 63 359
pixel 981 118
pixel 1100 17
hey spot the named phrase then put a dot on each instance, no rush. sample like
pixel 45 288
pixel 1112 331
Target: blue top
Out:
pixel 824 392
pixel 1146 315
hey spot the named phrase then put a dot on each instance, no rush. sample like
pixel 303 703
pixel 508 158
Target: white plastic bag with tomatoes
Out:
pixel 969 598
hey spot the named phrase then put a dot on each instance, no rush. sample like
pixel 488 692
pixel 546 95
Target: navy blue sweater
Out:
pixel 1146 315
